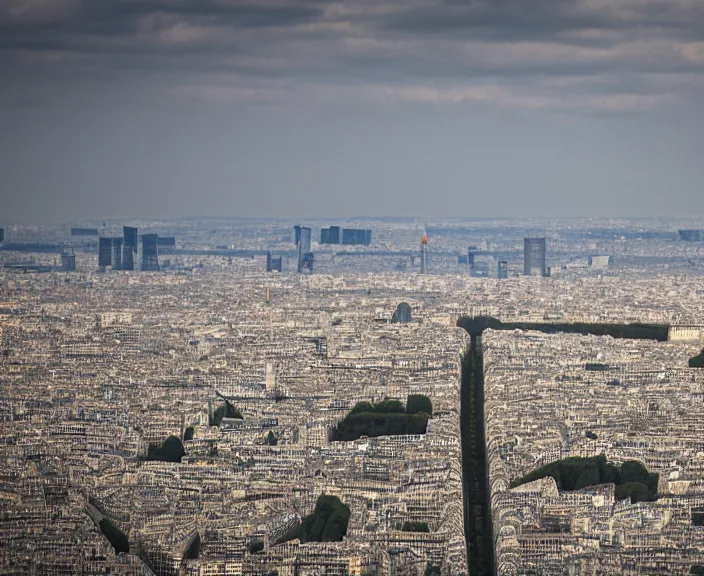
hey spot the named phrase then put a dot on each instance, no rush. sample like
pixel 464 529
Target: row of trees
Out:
pixel 327 523
pixel 632 479
pixel 475 326
pixel 387 418
pixel 115 536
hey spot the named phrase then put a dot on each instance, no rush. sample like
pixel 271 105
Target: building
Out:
pixel 690 235
pixel 502 270
pixel 117 253
pixel 600 261
pixel 273 264
pixel 150 252
pixel 104 252
pixel 356 236
pixel 330 235
pixel 534 257
pixel 424 254
pixel 129 248
pixel 68 260
pixel 84 231
pixel 304 256
pixel 2 234
pixel 166 241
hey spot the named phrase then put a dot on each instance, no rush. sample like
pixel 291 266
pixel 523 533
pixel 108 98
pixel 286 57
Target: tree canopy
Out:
pixel 697 361
pixel 188 434
pixel 632 479
pixel 327 523
pixel 415 527
pixel 417 403
pixel 171 450
pixel 387 418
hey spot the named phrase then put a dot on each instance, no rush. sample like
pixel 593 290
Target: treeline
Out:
pixel 115 536
pixel 697 361
pixel 415 527
pixel 171 450
pixel 387 418
pixel 327 523
pixel 632 479
pixel 475 326
pixel 226 410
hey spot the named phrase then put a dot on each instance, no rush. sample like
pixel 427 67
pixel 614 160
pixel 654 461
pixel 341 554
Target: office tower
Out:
pixel 534 257
pixel 273 264
pixel 330 235
pixel 296 235
pixel 130 236
pixel 84 231
pixel 356 236
pixel 2 234
pixel 471 256
pixel 104 252
pixel 424 254
pixel 68 260
pixel 690 235
pixel 502 270
pixel 117 253
pixel 150 253
pixel 127 257
pixel 304 255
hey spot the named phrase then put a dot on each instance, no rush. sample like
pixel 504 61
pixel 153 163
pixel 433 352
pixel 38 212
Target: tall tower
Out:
pixel 129 247
pixel 150 253
pixel 502 270
pixel 534 257
pixel 424 254
pixel 304 255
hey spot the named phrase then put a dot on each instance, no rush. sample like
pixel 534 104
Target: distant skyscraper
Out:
pixel 304 256
pixel 534 257
pixel 130 236
pixel 268 261
pixel 424 254
pixel 68 260
pixel 273 264
pixel 690 235
pixel 84 231
pixel 104 252
pixel 502 270
pixel 2 234
pixel 330 235
pixel 356 236
pixel 150 253
pixel 117 253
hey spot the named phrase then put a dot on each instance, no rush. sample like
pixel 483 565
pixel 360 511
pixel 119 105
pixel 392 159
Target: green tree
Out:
pixel 327 523
pixel 415 527
pixel 188 434
pixel 171 450
pixel 697 361
pixel 271 439
pixel 417 403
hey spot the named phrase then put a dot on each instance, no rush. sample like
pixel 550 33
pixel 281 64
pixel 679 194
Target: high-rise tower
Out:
pixel 424 254
pixel 534 257
pixel 304 256
pixel 150 253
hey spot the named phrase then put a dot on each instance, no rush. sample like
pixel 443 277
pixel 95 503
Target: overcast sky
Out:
pixel 167 108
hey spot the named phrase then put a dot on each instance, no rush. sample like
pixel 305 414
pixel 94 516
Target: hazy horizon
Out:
pixel 126 109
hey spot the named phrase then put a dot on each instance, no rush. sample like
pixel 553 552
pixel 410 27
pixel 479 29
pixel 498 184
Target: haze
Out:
pixel 169 108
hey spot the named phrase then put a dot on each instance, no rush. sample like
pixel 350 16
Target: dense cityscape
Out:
pixel 213 396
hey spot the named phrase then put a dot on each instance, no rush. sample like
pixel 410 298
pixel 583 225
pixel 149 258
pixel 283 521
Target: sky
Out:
pixel 323 108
